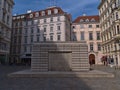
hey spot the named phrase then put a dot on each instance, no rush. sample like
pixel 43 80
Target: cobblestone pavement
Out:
pixel 7 83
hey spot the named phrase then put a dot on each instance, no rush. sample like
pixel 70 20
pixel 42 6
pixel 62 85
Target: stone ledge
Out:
pixel 83 74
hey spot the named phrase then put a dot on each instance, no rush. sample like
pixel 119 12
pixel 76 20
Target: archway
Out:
pixel 92 59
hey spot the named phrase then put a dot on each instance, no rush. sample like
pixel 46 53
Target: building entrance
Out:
pixel 91 59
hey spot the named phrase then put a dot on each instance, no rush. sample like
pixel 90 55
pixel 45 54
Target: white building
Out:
pixel 109 11
pixel 86 28
pixel 5 28
pixel 51 24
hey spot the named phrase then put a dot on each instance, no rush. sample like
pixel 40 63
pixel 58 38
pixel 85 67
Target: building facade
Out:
pixel 86 28
pixel 109 11
pixel 51 24
pixel 5 28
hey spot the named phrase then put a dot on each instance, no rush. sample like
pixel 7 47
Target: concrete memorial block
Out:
pixel 60 56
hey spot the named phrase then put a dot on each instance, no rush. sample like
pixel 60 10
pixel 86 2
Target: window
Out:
pixel 38 38
pixel 90 36
pixel 8 19
pixel 9 7
pixel 26 31
pixel 51 29
pixel 97 26
pixel 51 38
pixel 43 13
pixel 4 3
pixel 37 14
pixel 82 35
pixel 73 27
pixel 30 48
pixel 32 31
pixel 81 20
pixel 98 35
pixel 87 20
pixel 91 47
pixel 26 23
pixel 58 27
pixel 81 26
pixel 44 29
pixel 118 29
pixel 32 22
pixel 58 18
pixel 25 39
pixel 45 20
pixel 38 30
pixel 93 20
pixel 117 17
pixel 49 12
pixel 3 19
pixel 51 19
pixel 55 11
pixel 44 38
pixel 90 26
pixel 25 49
pixel 99 47
pixel 31 15
pixel 31 39
pixel 58 37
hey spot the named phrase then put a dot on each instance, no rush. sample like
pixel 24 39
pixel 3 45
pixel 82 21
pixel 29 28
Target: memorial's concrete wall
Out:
pixel 60 56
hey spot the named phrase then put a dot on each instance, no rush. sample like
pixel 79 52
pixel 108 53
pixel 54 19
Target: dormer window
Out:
pixel 49 12
pixel 93 20
pixel 55 11
pixel 43 13
pixel 87 20
pixel 31 15
pixel 37 14
pixel 81 20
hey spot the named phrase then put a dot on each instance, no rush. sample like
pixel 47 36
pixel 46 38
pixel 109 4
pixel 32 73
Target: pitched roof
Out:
pixel 27 15
pixel 81 19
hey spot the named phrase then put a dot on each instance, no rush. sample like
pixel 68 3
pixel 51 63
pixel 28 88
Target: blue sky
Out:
pixel 74 7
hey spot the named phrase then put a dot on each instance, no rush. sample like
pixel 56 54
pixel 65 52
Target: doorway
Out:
pixel 91 59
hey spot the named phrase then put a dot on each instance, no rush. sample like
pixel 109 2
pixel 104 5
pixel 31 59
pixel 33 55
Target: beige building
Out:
pixel 109 11
pixel 5 28
pixel 86 28
pixel 51 24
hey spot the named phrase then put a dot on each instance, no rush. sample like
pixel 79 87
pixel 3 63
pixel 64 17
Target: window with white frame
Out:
pixel 55 11
pixel 58 28
pixel 43 13
pixel 37 14
pixel 91 47
pixel 82 36
pixel 49 12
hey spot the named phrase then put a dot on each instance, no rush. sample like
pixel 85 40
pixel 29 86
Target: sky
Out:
pixel 74 7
